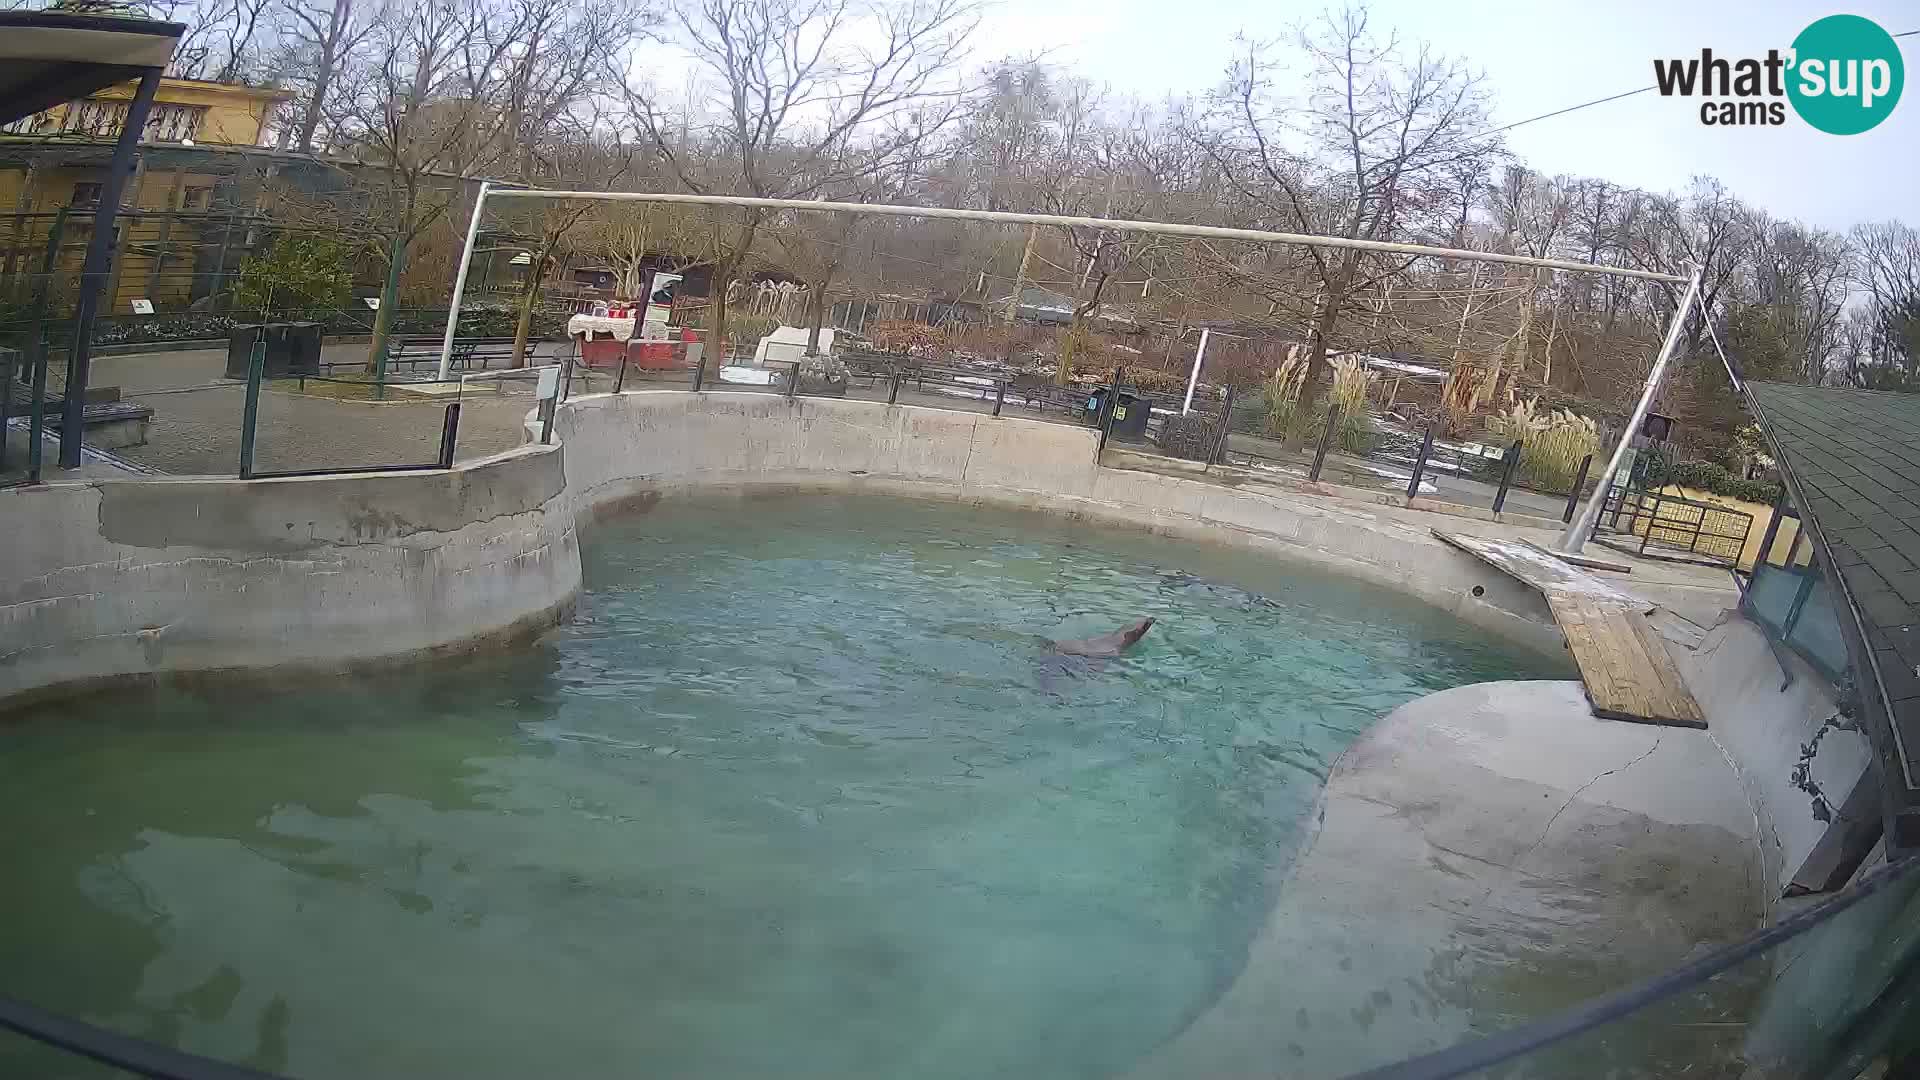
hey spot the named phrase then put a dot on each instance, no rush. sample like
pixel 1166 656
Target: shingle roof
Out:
pixel 1854 456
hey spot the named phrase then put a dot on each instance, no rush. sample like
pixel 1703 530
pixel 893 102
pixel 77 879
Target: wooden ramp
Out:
pixel 1623 660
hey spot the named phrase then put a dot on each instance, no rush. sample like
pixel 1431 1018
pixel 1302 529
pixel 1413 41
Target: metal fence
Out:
pixel 1665 526
pixel 218 412
pixel 1388 453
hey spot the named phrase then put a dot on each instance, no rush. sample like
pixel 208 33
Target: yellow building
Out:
pixel 191 176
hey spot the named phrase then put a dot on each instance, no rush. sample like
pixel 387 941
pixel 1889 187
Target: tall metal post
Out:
pixel 1193 379
pixel 1326 440
pixel 1108 407
pixel 1512 458
pixel 1226 430
pixel 93 272
pixel 37 349
pixel 1420 464
pixel 1576 535
pixel 250 412
pixel 1580 481
pixel 449 433
pixel 460 280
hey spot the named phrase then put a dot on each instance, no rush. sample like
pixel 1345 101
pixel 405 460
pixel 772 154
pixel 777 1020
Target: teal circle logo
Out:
pixel 1846 76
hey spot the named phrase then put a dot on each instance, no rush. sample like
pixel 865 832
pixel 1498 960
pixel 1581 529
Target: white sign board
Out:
pixel 373 302
pixel 143 307
pixel 549 383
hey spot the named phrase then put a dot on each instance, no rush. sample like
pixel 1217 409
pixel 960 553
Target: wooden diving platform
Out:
pixel 1623 660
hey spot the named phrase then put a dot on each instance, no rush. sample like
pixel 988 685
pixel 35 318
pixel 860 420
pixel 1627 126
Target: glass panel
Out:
pixel 1770 597
pixel 1816 631
pixel 1785 538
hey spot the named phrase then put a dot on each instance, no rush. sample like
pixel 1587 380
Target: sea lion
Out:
pixel 1106 644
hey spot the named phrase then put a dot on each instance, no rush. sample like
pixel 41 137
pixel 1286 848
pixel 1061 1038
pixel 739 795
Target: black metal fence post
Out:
pixel 1420 463
pixel 893 387
pixel 449 433
pixel 6 402
pixel 793 380
pixel 700 371
pixel 620 380
pixel 37 397
pixel 1573 497
pixel 1326 439
pixel 566 386
pixel 37 358
pixel 999 397
pixel 1506 476
pixel 1110 406
pixel 1226 430
pixel 250 412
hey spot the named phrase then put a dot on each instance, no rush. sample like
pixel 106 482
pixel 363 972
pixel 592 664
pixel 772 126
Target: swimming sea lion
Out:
pixel 1106 644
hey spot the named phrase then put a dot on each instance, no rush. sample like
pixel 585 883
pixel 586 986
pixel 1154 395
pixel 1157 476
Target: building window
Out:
pixel 85 193
pixel 197 198
pixel 102 119
pixel 94 117
pixel 174 123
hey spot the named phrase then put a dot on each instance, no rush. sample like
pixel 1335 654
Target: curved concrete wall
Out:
pixel 110 580
pixel 642 444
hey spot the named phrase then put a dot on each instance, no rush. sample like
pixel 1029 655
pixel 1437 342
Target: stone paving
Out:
pixel 197 415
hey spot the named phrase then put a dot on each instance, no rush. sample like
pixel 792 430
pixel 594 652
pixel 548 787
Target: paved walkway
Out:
pixel 197 414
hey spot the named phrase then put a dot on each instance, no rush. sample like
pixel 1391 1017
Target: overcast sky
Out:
pixel 1541 55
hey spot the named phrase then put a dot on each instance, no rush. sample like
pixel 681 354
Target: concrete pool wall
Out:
pixel 110 581
pixel 643 445
pixel 113 581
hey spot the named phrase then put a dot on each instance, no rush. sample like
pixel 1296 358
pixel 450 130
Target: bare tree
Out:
pixel 1886 328
pixel 223 41
pixel 420 114
pixel 1798 281
pixel 550 225
pixel 1369 155
pixel 812 95
pixel 318 38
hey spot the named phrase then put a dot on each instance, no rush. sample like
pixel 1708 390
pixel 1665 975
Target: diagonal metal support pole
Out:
pixel 1576 535
pixel 93 272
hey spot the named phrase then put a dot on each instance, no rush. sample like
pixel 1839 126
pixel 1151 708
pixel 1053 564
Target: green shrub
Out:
pixel 300 270
pixel 1656 471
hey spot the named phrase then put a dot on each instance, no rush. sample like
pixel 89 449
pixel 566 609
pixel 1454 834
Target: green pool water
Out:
pixel 798 792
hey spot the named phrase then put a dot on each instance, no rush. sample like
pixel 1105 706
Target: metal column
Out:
pixel 460 282
pixel 1193 380
pixel 1576 535
pixel 93 271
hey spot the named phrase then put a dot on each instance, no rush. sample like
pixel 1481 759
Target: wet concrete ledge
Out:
pixel 1486 856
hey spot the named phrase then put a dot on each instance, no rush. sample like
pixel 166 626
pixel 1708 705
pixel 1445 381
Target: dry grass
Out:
pixel 1552 442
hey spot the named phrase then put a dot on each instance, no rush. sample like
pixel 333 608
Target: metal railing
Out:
pixel 1671 526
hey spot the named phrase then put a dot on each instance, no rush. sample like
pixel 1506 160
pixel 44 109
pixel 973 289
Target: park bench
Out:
pixel 413 350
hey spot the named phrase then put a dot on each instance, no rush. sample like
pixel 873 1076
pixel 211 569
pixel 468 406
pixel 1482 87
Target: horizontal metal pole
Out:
pixel 1166 228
